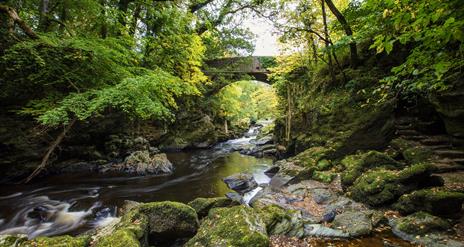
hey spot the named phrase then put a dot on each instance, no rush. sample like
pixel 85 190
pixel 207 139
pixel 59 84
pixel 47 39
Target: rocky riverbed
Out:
pixel 370 198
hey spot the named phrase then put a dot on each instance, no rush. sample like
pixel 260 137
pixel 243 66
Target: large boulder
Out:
pixel 203 205
pixel 424 229
pixel 235 226
pixel 380 186
pixel 144 163
pixel 421 223
pixel 169 221
pixel 355 165
pixel 280 221
pixel 355 223
pixel 411 151
pixel 195 130
pixel 241 182
pixel 450 106
pixel 436 201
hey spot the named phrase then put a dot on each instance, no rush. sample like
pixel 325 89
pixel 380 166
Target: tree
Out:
pixel 348 32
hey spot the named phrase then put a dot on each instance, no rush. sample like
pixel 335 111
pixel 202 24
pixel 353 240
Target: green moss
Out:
pixel 203 205
pixel 235 226
pixel 119 238
pixel 312 157
pixel 11 241
pixel 437 201
pixel 411 151
pixel 59 241
pixel 135 221
pixel 416 172
pixel 324 176
pixel 130 231
pixel 381 186
pixel 355 165
pixel 421 223
pixel 376 187
pixel 280 221
pixel 170 219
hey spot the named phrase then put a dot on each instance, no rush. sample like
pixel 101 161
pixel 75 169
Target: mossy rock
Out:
pixel 120 238
pixel 290 169
pixel 421 223
pixel 12 240
pixel 437 201
pixel 377 187
pixel 235 226
pixel 59 241
pixel 355 165
pixel 281 221
pixel 203 205
pixel 312 156
pixel 324 176
pixel 380 186
pixel 131 231
pixel 170 220
pixel 355 223
pixel 412 151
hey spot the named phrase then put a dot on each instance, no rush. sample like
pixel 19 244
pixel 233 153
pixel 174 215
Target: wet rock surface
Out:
pixel 241 182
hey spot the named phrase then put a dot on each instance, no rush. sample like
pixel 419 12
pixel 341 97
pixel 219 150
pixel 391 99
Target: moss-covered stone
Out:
pixel 203 205
pixel 12 240
pixel 316 157
pixel 119 238
pixel 381 186
pixel 412 151
pixel 59 241
pixel 421 223
pixel 131 231
pixel 280 221
pixel 170 220
pixel 436 201
pixel 355 223
pixel 235 226
pixel 324 176
pixel 355 165
pixel 377 187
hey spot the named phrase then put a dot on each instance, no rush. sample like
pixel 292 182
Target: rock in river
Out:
pixel 241 182
pixel 143 163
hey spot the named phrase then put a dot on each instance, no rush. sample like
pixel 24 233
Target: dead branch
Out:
pixel 50 150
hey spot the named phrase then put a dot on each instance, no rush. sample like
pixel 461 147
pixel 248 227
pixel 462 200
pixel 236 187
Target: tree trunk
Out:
pixel 348 31
pixel 43 15
pixel 314 48
pixel 226 127
pixel 104 25
pixel 63 15
pixel 133 28
pixel 327 41
pixel 50 150
pixel 288 129
pixel 123 6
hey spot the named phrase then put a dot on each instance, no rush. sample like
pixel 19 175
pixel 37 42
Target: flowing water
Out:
pixel 78 202
pixel 72 204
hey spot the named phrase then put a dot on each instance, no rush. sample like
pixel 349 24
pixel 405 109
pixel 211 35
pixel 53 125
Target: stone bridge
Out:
pixel 235 67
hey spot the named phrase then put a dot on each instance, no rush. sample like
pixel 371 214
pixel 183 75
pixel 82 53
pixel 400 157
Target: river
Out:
pixel 72 204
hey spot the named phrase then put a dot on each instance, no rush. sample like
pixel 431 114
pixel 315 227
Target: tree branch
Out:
pixel 14 19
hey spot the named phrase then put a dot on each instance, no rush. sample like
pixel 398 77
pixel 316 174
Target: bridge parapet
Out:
pixel 256 66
